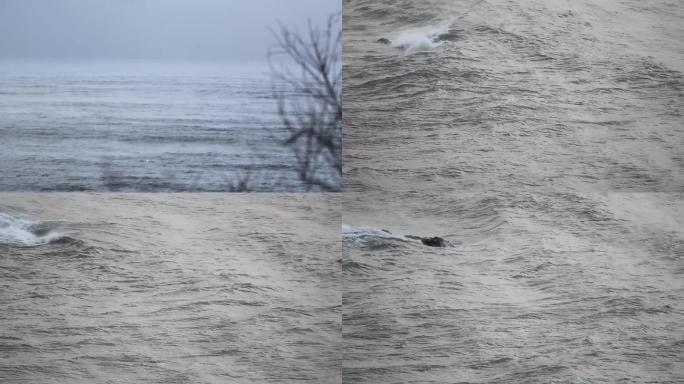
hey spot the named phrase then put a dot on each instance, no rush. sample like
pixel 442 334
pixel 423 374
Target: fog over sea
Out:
pixel 545 142
pixel 169 288
pixel 95 125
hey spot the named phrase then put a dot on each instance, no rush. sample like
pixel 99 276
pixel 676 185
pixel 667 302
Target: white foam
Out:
pixel 357 234
pixel 25 233
pixel 421 39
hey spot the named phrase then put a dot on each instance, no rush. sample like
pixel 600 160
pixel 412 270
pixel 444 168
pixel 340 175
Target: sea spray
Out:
pixel 25 233
pixel 421 39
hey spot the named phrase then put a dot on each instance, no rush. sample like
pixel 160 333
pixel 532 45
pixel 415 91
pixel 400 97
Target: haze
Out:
pixel 151 29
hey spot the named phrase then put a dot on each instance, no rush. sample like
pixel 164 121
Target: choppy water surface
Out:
pixel 169 288
pixel 545 141
pixel 538 288
pixel 470 95
pixel 140 126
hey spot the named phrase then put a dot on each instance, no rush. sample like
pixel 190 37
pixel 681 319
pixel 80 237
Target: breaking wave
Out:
pixel 422 39
pixel 371 237
pixel 25 233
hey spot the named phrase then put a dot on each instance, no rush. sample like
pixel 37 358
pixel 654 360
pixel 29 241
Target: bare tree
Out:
pixel 308 90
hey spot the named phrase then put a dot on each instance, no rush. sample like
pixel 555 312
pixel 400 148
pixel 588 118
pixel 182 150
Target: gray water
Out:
pixel 169 288
pixel 140 126
pixel 554 95
pixel 538 288
pixel 545 141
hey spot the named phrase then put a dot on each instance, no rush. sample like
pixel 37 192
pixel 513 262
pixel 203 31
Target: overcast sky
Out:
pixel 150 29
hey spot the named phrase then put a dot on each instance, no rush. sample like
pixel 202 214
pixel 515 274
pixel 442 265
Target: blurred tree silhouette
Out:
pixel 308 91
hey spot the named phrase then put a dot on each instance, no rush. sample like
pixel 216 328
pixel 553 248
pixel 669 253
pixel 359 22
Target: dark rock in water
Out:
pixel 383 40
pixel 434 242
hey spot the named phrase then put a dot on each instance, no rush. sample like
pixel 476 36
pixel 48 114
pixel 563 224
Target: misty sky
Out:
pixel 150 29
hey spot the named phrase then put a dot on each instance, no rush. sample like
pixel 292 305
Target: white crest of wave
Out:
pixel 356 234
pixel 421 39
pixel 25 233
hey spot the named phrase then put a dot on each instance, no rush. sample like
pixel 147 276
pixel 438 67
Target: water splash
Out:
pixel 422 39
pixel 26 233
pixel 370 237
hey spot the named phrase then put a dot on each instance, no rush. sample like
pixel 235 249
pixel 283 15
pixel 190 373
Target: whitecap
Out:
pixel 365 236
pixel 421 39
pixel 26 233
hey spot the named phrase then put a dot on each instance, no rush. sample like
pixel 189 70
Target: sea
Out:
pixel 545 142
pixel 142 126
pixel 170 288
pixel 494 95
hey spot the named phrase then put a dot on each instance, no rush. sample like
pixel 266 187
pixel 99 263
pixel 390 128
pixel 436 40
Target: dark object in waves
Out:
pixel 383 40
pixel 434 242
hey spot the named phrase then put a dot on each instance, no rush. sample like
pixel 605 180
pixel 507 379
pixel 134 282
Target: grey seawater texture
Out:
pixel 170 288
pixel 579 96
pixel 545 142
pixel 142 126
pixel 149 95
pixel 537 288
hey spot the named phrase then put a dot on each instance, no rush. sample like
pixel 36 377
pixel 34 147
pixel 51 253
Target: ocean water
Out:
pixel 537 288
pixel 169 288
pixel 493 95
pixel 545 141
pixel 140 126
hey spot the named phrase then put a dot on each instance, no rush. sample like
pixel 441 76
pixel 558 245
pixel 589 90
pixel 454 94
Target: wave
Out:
pixel 26 233
pixel 371 237
pixel 423 39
